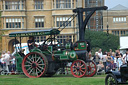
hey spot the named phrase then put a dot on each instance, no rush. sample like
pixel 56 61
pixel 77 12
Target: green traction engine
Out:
pixel 46 59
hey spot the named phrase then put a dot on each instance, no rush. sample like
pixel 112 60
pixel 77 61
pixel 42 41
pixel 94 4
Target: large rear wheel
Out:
pixel 91 69
pixel 78 68
pixel 34 65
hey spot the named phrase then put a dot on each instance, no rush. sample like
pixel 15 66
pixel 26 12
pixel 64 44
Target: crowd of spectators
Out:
pixel 110 60
pixel 7 62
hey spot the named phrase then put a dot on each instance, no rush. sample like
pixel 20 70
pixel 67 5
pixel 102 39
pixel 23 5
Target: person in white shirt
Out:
pixel 104 60
pixel 96 58
pixel 125 57
pixel 120 61
pixel 7 60
pixel 100 66
pixel 3 64
pixel 14 64
pixel 0 59
pixel 100 54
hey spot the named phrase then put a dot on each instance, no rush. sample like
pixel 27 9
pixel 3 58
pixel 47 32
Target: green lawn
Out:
pixel 56 80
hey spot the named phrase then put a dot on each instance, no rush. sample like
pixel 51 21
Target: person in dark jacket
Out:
pixel 30 42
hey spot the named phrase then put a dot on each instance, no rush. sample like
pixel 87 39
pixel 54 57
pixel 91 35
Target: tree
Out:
pixel 99 39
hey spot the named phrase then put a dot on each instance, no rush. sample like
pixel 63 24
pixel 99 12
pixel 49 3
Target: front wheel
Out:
pixel 78 68
pixel 110 80
pixel 34 65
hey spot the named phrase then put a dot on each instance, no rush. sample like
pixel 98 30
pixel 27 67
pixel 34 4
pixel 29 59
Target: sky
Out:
pixel 113 3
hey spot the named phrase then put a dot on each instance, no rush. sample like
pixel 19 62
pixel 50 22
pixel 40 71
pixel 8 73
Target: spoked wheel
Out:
pixel 78 68
pixel 3 72
pixel 110 80
pixel 34 65
pixel 91 69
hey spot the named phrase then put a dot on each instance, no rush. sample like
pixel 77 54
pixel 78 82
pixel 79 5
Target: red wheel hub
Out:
pixel 78 68
pixel 89 68
pixel 34 65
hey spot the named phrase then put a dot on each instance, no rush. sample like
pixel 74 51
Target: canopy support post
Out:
pixel 15 44
pixel 20 44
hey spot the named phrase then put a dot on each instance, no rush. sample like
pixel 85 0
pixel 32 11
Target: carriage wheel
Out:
pixel 110 80
pixel 78 68
pixel 3 72
pixel 34 65
pixel 91 69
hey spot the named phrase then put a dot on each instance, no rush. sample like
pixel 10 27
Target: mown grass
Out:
pixel 55 80
pixel 52 81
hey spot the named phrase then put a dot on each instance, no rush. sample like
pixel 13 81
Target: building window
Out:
pixel 115 33
pixel 36 39
pixel 119 19
pixel 63 21
pixel 93 3
pixel 23 4
pixel 13 22
pixel 38 4
pixel 114 19
pixel 64 4
pixel 12 5
pixel 62 38
pixel 40 38
pixel 122 32
pixel 39 22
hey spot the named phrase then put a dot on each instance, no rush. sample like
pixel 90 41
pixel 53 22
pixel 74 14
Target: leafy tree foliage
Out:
pixel 99 39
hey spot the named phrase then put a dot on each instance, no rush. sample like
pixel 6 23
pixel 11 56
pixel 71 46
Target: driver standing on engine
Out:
pixel 31 43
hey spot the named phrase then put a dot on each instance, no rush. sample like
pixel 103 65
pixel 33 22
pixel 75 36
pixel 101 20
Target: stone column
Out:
pixel 3 5
pixel 21 5
pixel 71 3
pixel 54 4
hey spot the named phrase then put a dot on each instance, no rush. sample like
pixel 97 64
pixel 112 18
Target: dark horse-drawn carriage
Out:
pixel 46 59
